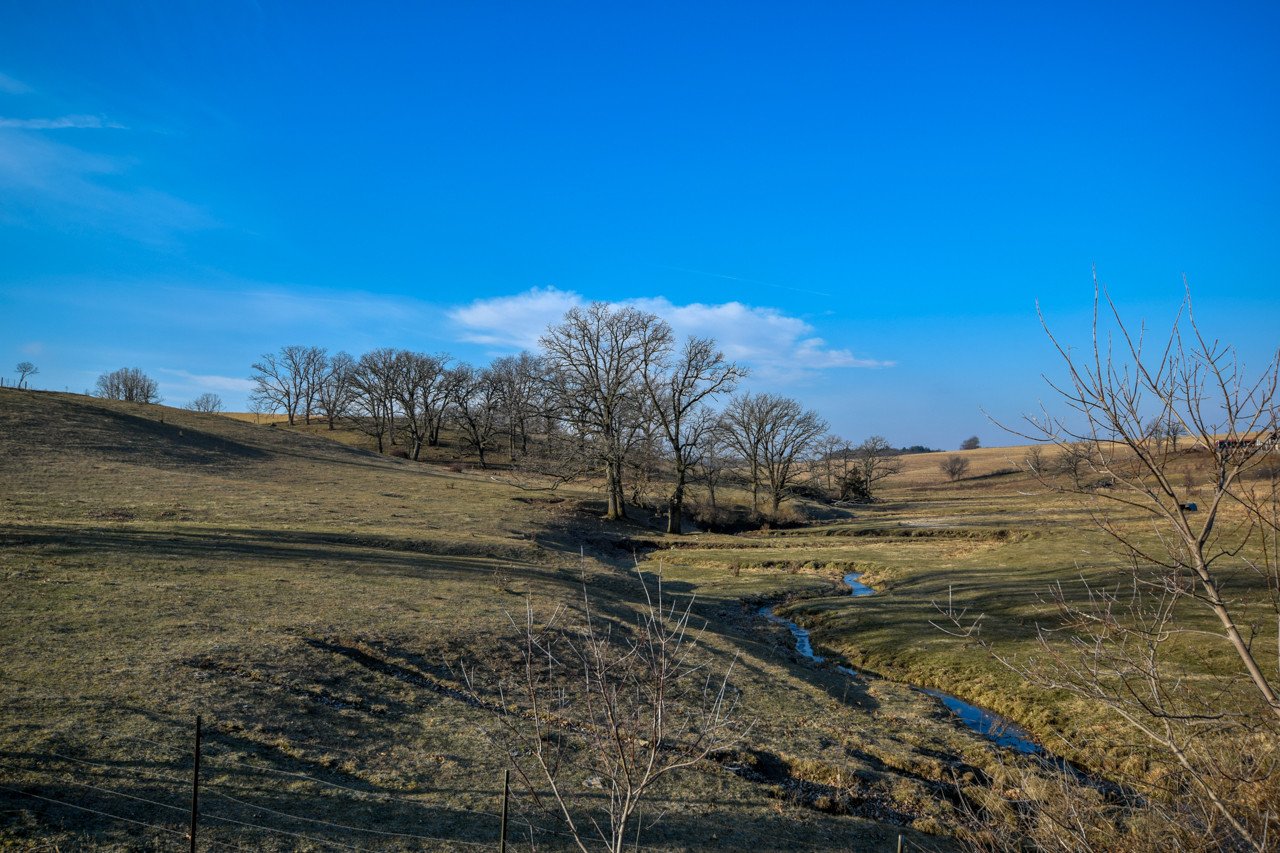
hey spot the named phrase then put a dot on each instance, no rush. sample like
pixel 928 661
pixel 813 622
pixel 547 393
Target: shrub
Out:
pixel 954 467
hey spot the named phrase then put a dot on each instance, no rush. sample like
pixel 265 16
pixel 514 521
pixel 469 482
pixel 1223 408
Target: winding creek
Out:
pixel 990 725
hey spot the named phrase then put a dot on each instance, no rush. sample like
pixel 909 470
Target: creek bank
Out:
pixel 990 725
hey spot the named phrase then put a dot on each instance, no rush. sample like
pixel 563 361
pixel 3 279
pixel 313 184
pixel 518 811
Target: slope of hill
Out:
pixel 338 618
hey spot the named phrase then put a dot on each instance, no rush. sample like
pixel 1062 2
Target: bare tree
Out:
pixel 744 425
pixel 971 443
pixel 290 379
pixel 373 402
pixel 600 714
pixel 312 367
pixel 713 457
pixel 337 391
pixel 772 434
pixel 259 407
pixel 477 405
pixel 678 387
pixel 436 397
pixel 954 467
pixel 416 379
pixel 207 402
pixel 519 379
pixel 596 357
pixel 1207 580
pixel 872 461
pixel 1075 461
pixel 831 460
pixel 1034 462
pixel 128 383
pixel 25 369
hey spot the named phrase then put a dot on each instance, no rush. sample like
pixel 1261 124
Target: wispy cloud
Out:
pixel 207 381
pixel 80 121
pixel 62 184
pixel 775 344
pixel 10 86
pixel 310 308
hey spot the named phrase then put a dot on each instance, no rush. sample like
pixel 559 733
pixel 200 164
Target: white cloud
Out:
pixel 515 321
pixel 776 345
pixel 10 86
pixel 208 382
pixel 58 123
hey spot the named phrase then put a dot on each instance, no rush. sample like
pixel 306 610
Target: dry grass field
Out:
pixel 996 542
pixel 335 617
pixel 341 619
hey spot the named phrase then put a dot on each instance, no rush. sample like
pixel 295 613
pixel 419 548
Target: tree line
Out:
pixel 610 390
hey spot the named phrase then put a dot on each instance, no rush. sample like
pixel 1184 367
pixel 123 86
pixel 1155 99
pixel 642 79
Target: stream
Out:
pixel 990 725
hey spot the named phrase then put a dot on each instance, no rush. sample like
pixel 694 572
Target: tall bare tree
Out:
pixel 290 379
pixel 336 392
pixel 772 433
pixel 679 386
pixel 1198 574
pixel 714 452
pixel 520 381
pixel 596 356
pixel 437 395
pixel 871 461
pixel 744 424
pixel 373 380
pixel 415 378
pixel 477 405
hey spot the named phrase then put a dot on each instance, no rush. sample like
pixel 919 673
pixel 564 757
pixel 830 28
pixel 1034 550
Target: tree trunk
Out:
pixel 615 508
pixel 675 505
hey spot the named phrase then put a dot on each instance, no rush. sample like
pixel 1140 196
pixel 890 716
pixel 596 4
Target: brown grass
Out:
pixel 337 617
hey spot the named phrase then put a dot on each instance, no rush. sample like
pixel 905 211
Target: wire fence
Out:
pixel 230 819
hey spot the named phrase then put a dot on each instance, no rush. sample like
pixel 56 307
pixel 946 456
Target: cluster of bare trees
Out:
pixel 129 384
pixel 611 391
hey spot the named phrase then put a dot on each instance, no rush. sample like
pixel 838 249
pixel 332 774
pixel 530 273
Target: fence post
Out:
pixel 195 788
pixel 506 794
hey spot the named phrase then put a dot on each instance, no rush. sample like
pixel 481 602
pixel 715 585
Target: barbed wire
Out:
pixel 208 787
pixel 414 836
pixel 166 829
pixel 312 839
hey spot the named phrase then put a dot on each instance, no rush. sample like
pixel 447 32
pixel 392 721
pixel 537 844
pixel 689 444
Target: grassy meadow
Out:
pixel 340 620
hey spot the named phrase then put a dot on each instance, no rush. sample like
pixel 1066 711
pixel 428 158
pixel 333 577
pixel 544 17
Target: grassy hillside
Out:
pixel 339 620
pixel 997 543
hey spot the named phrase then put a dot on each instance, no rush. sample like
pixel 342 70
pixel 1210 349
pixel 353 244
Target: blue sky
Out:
pixel 863 201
